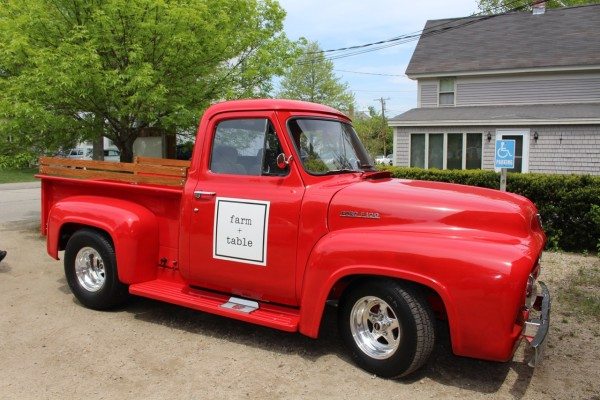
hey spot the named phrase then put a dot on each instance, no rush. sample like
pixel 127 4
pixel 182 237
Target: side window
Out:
pixel 446 92
pixel 246 147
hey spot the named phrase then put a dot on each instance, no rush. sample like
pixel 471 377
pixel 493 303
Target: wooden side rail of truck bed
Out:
pixel 156 171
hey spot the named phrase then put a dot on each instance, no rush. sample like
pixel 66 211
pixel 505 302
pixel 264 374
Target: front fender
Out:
pixel 481 282
pixel 132 228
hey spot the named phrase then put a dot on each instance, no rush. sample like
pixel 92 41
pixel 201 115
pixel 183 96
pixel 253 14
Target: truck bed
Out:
pixel 147 182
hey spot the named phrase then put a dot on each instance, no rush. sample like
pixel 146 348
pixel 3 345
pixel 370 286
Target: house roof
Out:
pixel 559 38
pixel 536 114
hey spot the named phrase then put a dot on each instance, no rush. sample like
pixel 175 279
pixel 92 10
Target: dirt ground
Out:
pixel 52 347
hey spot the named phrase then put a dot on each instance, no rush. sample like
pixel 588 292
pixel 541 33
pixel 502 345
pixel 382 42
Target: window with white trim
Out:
pixel 446 150
pixel 446 92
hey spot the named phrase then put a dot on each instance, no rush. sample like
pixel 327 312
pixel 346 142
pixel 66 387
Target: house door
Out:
pixel 521 138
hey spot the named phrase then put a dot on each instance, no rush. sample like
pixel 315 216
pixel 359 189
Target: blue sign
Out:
pixel 505 154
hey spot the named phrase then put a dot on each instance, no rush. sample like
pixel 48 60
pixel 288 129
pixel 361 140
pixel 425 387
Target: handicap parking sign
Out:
pixel 505 154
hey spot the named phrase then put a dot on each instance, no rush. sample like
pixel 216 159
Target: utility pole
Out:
pixel 383 123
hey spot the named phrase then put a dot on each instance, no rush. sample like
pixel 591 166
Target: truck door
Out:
pixel 246 210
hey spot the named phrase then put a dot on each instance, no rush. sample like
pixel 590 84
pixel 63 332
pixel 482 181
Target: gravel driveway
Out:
pixel 51 347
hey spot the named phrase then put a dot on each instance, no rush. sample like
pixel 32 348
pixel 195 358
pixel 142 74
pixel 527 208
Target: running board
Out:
pixel 266 314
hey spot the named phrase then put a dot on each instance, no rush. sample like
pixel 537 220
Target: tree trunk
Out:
pixel 98 143
pixel 98 148
pixel 127 154
pixel 125 146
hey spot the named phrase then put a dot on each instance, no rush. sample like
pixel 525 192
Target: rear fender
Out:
pixel 132 228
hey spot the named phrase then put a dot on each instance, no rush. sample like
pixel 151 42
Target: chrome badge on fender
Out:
pixel 359 214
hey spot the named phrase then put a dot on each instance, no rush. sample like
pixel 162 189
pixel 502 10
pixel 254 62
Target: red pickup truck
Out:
pixel 281 212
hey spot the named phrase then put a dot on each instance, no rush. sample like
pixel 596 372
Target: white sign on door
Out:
pixel 240 231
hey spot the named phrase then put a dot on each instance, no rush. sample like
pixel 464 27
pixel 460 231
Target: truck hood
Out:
pixel 433 207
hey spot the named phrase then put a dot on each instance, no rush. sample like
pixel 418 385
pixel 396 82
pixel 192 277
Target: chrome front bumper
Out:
pixel 535 330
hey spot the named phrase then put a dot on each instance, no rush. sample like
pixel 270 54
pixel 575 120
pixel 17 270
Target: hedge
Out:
pixel 569 204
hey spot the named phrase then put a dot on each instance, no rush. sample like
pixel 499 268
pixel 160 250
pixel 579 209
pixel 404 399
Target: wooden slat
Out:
pixel 160 170
pixel 89 164
pixel 162 161
pixel 116 166
pixel 120 176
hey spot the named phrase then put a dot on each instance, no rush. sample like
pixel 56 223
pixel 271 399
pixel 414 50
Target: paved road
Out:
pixel 19 202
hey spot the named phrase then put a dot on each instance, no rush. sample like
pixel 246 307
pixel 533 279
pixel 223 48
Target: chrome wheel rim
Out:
pixel 89 268
pixel 375 327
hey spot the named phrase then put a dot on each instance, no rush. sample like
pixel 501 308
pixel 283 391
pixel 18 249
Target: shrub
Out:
pixel 569 204
pixel 17 161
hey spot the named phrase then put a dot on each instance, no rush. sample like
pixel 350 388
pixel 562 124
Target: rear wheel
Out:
pixel 91 270
pixel 388 328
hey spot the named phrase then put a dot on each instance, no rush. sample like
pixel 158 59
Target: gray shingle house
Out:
pixel 532 78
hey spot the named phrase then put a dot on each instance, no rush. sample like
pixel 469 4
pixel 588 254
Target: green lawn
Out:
pixel 17 175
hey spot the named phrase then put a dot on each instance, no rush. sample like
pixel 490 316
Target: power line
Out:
pixel 368 73
pixel 381 91
pixel 417 34
pixel 431 31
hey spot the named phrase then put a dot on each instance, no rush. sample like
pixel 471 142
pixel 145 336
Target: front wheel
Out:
pixel 388 328
pixel 91 270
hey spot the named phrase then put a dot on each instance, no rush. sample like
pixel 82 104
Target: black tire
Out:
pixel 111 292
pixel 414 337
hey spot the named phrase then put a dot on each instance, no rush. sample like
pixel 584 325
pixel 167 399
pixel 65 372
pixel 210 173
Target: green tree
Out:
pixel 374 132
pixel 74 69
pixel 311 78
pixel 498 6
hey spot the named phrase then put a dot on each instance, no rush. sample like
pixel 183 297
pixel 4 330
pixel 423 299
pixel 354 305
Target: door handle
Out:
pixel 199 193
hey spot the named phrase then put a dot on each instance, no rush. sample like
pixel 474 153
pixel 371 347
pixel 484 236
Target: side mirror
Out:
pixel 283 162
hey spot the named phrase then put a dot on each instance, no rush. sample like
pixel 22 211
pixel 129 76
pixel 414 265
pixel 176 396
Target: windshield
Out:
pixel 328 146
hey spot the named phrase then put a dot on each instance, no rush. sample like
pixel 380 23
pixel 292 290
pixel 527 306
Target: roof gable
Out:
pixel 559 38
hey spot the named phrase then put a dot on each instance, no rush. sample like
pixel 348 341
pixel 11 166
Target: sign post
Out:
pixel 504 159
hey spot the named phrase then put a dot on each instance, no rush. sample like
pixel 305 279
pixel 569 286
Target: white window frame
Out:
pixel 500 133
pixel 440 92
pixel 445 148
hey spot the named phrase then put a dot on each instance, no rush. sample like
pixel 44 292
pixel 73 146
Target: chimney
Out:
pixel 539 7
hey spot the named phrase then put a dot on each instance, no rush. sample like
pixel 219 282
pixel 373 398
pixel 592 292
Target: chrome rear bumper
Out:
pixel 535 330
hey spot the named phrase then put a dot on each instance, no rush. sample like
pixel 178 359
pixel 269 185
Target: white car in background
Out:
pixel 112 155
pixel 80 153
pixel 385 160
pixel 85 153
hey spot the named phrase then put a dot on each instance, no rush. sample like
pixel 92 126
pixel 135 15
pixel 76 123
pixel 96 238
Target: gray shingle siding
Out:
pixel 578 152
pixel 429 93
pixel 536 90
pixel 401 152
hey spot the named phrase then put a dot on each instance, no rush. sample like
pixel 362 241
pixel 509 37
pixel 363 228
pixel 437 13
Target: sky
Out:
pixel 335 24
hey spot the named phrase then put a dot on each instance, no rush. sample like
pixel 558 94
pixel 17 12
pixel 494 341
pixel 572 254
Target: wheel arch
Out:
pixel 131 228
pixel 343 286
pixel 69 228
pixel 340 282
